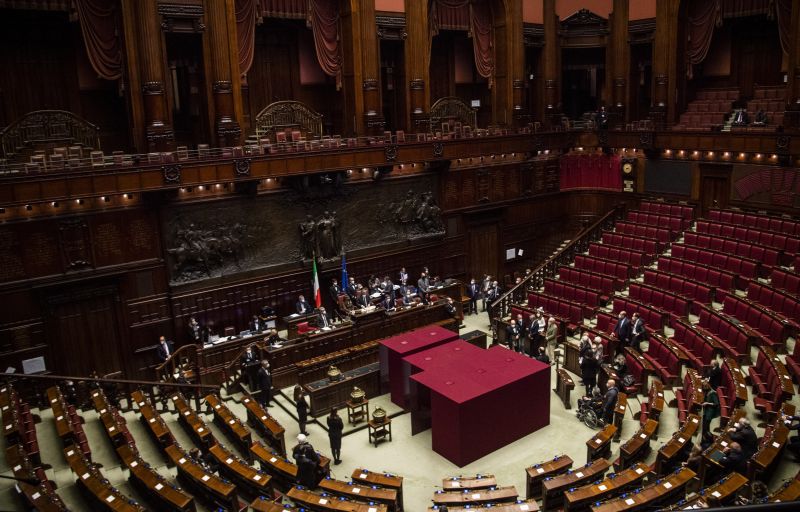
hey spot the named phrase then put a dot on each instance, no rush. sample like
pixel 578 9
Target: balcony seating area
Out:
pixel 744 268
pixel 708 110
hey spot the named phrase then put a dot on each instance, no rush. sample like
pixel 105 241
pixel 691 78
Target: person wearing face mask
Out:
pixel 474 293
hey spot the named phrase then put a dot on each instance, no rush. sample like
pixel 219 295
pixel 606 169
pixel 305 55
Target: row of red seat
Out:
pixel 69 424
pixel 713 106
pixel 601 282
pixel 736 336
pixel 722 281
pixel 744 267
pixel 654 405
pixel 790 244
pixel 792 362
pixel 690 396
pixel 785 280
pixel 768 256
pixel 674 209
pixel 673 303
pixel 572 292
pixel 770 381
pixel 574 313
pixel 637 366
pixel 651 219
pixel 777 300
pixel 665 358
pixel 774 330
pixel 698 347
pixel 663 235
pixel 18 424
pixel 680 285
pixel 628 256
pixel 656 318
pixel 645 245
pixel 601 266
pixel 756 220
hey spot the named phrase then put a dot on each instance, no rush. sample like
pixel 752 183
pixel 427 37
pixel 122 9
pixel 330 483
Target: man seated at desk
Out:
pixel 256 324
pixel 273 339
pixel 323 320
pixel 734 459
pixel 302 307
pixel 363 301
pixel 387 302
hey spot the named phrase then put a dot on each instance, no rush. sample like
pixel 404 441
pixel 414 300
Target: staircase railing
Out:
pixel 117 390
pixel 501 307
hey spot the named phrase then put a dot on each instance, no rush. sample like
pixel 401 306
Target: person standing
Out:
pixel 301 405
pixel 335 428
pixel 623 329
pixel 423 285
pixel 610 401
pixel 513 335
pixel 164 349
pixel 710 406
pixel 638 332
pixel 589 367
pixel 265 384
pixel 473 292
pixel 307 460
pixel 551 335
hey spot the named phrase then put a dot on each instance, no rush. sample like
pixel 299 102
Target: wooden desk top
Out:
pixel 263 504
pixel 697 396
pixel 601 438
pixel 723 440
pixel 382 479
pixel 610 485
pixel 151 417
pixel 156 483
pixel 373 424
pixel 230 420
pixel 721 491
pixel 558 464
pixel 679 439
pixel 475 496
pixel 789 491
pixel 469 482
pixel 577 476
pixel 520 506
pixel 42 497
pixel 97 485
pixel 325 501
pixel 738 380
pixel 187 414
pixel 565 378
pixel 653 493
pixel 655 398
pixel 622 404
pixel 211 482
pixel 270 423
pixel 786 379
pixel 640 438
pixel 245 473
pixel 358 492
pixel 279 465
pixel 63 426
pixel 770 449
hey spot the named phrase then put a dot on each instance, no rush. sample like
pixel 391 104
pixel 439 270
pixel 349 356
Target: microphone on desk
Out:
pixel 31 481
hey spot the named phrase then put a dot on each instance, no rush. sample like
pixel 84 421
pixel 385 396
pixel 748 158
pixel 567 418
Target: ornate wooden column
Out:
pixel 791 118
pixel 417 62
pixel 220 15
pixel 552 65
pixel 665 63
pixel 619 60
pixel 158 128
pixel 370 69
pixel 132 79
pixel 509 61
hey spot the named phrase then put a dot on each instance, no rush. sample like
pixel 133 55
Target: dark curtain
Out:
pixel 783 13
pixel 703 17
pixel 287 9
pixel 99 26
pixel 246 33
pixel 742 8
pixel 451 14
pixel 323 18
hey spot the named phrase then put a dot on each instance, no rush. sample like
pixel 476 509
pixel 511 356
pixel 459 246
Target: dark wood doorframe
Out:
pixel 715 185
pixel 484 244
pixel 82 324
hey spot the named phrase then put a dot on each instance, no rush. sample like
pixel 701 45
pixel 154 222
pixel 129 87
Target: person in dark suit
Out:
pixel 363 300
pixel 742 432
pixel 335 428
pixel 302 307
pixel 256 325
pixel 388 301
pixel 403 277
pixel 164 349
pixel 623 328
pixel 523 331
pixel 542 357
pixel 408 298
pixel 589 366
pixel 474 293
pixel 423 285
pixel 250 363
pixel 335 291
pixel 307 460
pixel 513 334
pixel 734 459
pixel 387 286
pixel 194 330
pixel 610 401
pixel 301 405
pixel 714 374
pixel 273 338
pixel 638 332
pixel 492 295
pixel 265 384
pixel 323 320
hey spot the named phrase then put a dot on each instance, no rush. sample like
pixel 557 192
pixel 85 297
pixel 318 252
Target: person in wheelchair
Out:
pixel 590 409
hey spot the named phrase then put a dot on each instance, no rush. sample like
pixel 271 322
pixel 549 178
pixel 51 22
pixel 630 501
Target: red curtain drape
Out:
pixel 323 18
pixel 703 17
pixel 246 33
pixel 449 14
pixel 99 26
pixel 783 13
pixel 742 8
pixel 593 171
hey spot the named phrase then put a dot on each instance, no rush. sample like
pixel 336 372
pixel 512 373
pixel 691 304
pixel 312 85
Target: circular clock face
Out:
pixel 627 168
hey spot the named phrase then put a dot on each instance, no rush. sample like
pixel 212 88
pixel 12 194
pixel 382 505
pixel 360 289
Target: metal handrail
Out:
pixel 501 307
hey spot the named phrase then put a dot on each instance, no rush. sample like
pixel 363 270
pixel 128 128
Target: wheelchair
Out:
pixel 590 412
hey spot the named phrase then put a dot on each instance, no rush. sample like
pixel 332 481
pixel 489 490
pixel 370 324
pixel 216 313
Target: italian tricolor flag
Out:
pixel 317 296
